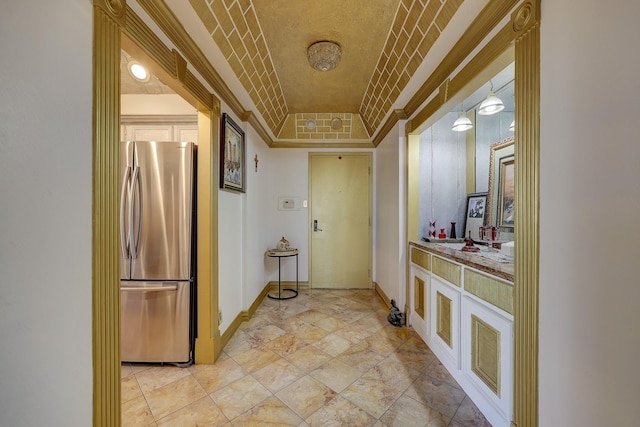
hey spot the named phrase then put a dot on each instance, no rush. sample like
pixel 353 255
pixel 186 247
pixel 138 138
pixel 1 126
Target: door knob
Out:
pixel 315 225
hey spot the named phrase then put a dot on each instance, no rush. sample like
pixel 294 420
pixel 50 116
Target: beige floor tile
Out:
pixel 266 333
pixel 340 412
pixel 373 396
pixel 333 344
pixel 129 388
pixel 222 373
pixel 136 412
pixel 436 394
pixel 278 375
pixel 306 396
pixel 286 345
pixel 330 357
pixel 240 396
pixel 255 358
pixel 468 415
pixel 393 373
pixel 329 324
pixel 158 376
pixel 309 358
pixel 361 355
pixel 125 370
pixel 438 371
pixel 336 375
pixel 270 412
pixel 409 412
pixel 173 396
pixel 311 316
pixel 201 413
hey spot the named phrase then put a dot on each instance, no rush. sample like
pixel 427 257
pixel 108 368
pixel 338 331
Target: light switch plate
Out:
pixel 287 203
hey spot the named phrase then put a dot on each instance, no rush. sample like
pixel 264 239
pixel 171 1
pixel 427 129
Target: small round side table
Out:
pixel 277 253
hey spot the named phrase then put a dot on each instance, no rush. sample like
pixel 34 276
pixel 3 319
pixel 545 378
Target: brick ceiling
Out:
pixel 383 43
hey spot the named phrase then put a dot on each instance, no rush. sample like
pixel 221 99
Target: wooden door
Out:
pixel 340 193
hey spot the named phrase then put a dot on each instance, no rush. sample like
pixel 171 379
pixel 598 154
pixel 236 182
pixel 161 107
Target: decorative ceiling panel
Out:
pixel 383 44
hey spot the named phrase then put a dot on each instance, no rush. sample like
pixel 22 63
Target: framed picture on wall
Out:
pixel 501 199
pixel 474 218
pixel 232 156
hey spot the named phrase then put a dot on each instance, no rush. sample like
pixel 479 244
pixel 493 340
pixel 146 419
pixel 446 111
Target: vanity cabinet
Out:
pixel 462 306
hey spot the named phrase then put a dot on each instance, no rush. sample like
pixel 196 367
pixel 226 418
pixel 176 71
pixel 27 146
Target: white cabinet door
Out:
pixel 445 322
pixel 419 297
pixel 487 355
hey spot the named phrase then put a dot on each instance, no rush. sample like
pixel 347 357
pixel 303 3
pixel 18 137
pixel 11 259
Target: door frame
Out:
pixel 117 27
pixel 369 154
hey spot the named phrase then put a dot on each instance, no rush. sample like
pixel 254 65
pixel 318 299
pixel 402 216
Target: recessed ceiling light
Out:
pixel 138 71
pixel 336 123
pixel 310 124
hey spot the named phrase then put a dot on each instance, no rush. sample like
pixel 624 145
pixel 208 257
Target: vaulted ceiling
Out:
pixel 264 44
pixel 383 43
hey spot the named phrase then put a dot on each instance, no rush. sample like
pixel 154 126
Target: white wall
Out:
pixel 391 245
pixel 155 104
pixel 45 213
pixel 590 199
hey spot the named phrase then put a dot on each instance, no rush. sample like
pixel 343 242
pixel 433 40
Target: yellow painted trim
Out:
pixel 520 37
pixel 382 296
pixel 525 22
pixel 116 25
pixel 489 289
pixel 105 213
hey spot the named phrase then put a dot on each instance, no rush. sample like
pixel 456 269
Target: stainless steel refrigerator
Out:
pixel 157 247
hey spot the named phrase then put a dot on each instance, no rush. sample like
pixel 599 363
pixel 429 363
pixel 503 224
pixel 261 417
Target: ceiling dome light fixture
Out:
pixel 491 105
pixel 462 123
pixel 138 71
pixel 324 55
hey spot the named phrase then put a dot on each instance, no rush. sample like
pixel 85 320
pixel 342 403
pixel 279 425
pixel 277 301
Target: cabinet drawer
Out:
pixel 447 270
pixel 489 289
pixel 420 258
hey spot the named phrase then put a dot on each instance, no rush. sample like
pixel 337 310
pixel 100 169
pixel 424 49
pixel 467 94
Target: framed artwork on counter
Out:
pixel 475 215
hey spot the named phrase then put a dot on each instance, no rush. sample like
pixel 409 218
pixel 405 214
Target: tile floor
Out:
pixel 325 358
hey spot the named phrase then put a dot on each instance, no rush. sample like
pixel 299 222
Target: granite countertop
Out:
pixel 451 251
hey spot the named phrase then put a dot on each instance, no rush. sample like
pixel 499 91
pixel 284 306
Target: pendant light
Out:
pixel 512 126
pixel 462 123
pixel 491 105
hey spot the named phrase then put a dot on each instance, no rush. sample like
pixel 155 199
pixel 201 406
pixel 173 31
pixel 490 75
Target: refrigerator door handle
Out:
pixel 124 204
pixel 137 188
pixel 149 288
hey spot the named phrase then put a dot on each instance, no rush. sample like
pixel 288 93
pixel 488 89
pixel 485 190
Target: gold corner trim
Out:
pixel 527 233
pixel 521 35
pixel 181 66
pixel 105 224
pixel 395 117
pixel 114 9
pixel 443 91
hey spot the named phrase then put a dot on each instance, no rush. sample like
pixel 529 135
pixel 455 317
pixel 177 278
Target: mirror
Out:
pixel 457 167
